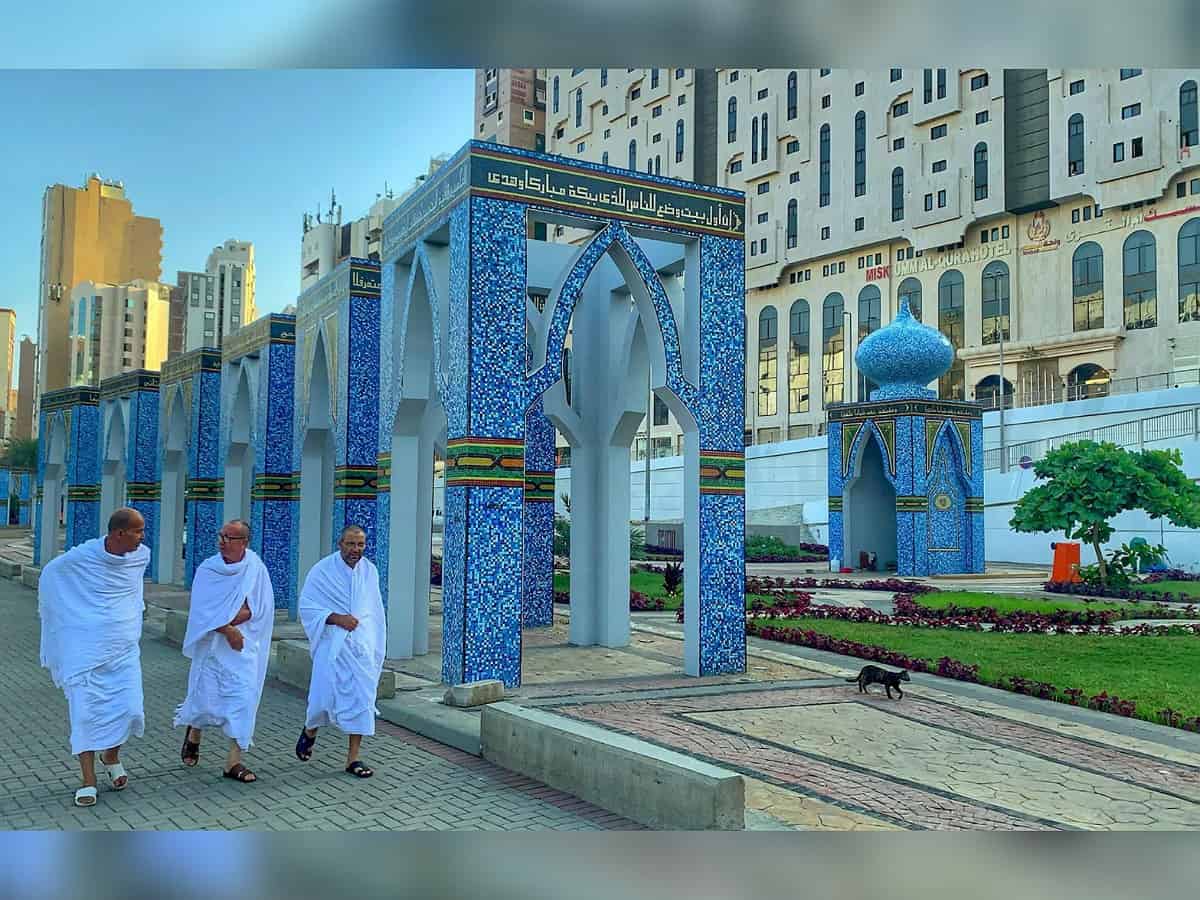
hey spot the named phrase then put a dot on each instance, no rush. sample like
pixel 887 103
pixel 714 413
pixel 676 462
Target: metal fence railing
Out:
pixel 1135 433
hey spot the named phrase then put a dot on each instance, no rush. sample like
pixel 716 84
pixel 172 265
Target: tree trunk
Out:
pixel 1100 558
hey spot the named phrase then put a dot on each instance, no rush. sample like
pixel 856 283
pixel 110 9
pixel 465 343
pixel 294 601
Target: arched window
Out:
pixel 763 133
pixel 1189 127
pixel 833 348
pixel 860 153
pixel 732 126
pixel 791 95
pixel 1086 381
pixel 768 362
pixel 679 140
pixel 1140 280
pixel 869 312
pixel 1075 145
pixel 556 93
pixel 633 155
pixel 792 224
pixel 657 164
pixel 1087 286
pixel 649 165
pixel 987 392
pixel 981 171
pixel 952 386
pixel 897 194
pixel 1189 271
pixel 579 107
pixel 995 302
pixel 603 77
pixel 910 290
pixel 798 358
pixel 754 139
pixel 604 158
pixel 824 174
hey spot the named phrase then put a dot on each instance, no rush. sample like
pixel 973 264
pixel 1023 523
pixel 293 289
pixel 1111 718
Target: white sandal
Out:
pixel 86 796
pixel 115 771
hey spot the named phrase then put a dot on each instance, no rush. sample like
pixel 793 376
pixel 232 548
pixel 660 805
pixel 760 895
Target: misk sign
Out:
pixel 876 273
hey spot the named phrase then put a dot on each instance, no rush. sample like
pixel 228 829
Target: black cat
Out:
pixel 875 675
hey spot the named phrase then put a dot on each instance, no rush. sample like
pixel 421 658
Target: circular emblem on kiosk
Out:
pixel 942 502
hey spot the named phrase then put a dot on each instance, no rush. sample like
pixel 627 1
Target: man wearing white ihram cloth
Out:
pixel 90 601
pixel 342 613
pixel 228 640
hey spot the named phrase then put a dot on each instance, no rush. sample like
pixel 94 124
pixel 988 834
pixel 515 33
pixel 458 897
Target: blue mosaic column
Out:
pixel 485 412
pixel 7 484
pixel 537 604
pixel 276 487
pixel 25 493
pixel 142 463
pixel 975 500
pixel 720 414
pixel 204 493
pixel 355 478
pixel 77 412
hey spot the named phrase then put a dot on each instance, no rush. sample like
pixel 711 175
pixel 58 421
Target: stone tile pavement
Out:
pixel 418 784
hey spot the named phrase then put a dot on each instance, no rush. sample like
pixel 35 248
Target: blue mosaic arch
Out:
pixel 70 421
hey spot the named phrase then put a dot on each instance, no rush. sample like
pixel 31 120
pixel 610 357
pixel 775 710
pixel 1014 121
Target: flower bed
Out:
pixel 1131 592
pixel 638 602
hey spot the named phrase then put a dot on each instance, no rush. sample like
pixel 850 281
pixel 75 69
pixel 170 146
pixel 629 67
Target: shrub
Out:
pixel 673 578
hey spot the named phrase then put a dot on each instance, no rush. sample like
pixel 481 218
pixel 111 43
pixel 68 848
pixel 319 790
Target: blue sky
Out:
pixel 218 154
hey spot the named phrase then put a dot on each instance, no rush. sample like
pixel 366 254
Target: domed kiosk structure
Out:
pixel 906 469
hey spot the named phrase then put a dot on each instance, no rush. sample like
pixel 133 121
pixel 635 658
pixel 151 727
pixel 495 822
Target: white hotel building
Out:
pixel 1054 213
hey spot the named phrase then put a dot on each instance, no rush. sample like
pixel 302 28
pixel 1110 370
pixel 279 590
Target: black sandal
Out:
pixel 304 746
pixel 358 770
pixel 240 773
pixel 190 754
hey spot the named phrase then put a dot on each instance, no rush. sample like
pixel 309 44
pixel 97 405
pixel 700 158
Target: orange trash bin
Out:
pixel 1066 561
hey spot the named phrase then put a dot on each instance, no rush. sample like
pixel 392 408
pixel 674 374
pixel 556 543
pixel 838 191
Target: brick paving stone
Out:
pixel 418 783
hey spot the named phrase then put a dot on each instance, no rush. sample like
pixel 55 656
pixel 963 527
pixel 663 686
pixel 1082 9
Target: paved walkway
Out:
pixel 418 784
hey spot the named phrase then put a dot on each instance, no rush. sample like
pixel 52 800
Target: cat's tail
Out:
pixel 850 680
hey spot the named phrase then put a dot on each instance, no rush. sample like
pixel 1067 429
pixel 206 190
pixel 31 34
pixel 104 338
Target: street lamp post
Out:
pixel 1003 450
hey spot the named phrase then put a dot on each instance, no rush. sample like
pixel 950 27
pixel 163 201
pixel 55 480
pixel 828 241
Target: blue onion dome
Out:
pixel 903 357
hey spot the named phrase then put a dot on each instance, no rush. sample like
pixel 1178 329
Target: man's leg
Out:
pixel 111 757
pixel 355 744
pixel 87 767
pixel 234 759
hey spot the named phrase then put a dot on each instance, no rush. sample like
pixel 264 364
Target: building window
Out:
pixel 1004 232
pixel 762 95
pixel 825 101
pixel 798 364
pixel 732 120
pixel 657 138
pixel 633 120
pixel 979 81
pixel 1133 109
pixel 635 93
pixel 607 133
pixel 860 153
pixel 791 96
pixel 897 194
pixel 824 166
pixel 825 233
pixel 733 76
pixel 941 198
pixel 604 158
pixel 1135 148
pixel 633 155
pixel 579 107
pixel 859 88
pixel 869 309
pixel 794 178
pixel 768 362
pixel 928 86
pixel 928 202
pixel 1140 280
pixel 859 223
pixel 1074 216
pixel 555 92
pixel 941 84
pixel 603 77
pixel 762 218
pixel 1118 151
pixel 679 140
pixel 939 165
pixel 937 131
pixel 896 74
pixel 681 100
pixel 1075 145
pixel 981 117
pixel 679 73
pixel 1130 73
pixel 579 148
pixel 1076 87
pixel 833 347
pixel 662 415
pixel 1087 287
pixel 1189 128
pixel 898 144
pixel 981 171
pixel 653 78
pixel 792 224
pixel 825 72
pixel 528 116
pixel 952 385
pixel 656 112
pixel 1189 271
pixel 793 146
pixel 900 109
pixel 995 298
pixel 558 133
pixel 657 164
pixel 764 186
pixel 910 291
pixel 763 133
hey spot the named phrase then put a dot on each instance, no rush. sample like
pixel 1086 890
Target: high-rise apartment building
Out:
pixel 88 234
pixel 510 107
pixel 206 306
pixel 8 347
pixel 117 328
pixel 26 388
pixel 177 325
pixel 1055 210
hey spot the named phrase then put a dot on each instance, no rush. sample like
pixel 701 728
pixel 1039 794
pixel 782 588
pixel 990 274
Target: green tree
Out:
pixel 20 453
pixel 1085 484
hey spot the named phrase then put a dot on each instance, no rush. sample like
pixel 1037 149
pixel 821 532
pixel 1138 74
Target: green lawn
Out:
pixel 1191 588
pixel 648 583
pixel 1005 605
pixel 1155 671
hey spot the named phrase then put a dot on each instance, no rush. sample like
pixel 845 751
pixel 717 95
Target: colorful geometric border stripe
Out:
pixel 143 491
pixel 722 472
pixel 204 489
pixel 355 482
pixel 485 462
pixel 276 487
pixel 83 493
pixel 835 504
pixel 539 486
pixel 912 503
pixel 383 477
pixel 974 504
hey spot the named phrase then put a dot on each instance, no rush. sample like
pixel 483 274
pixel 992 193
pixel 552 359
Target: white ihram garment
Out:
pixel 346 664
pixel 225 685
pixel 91 604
